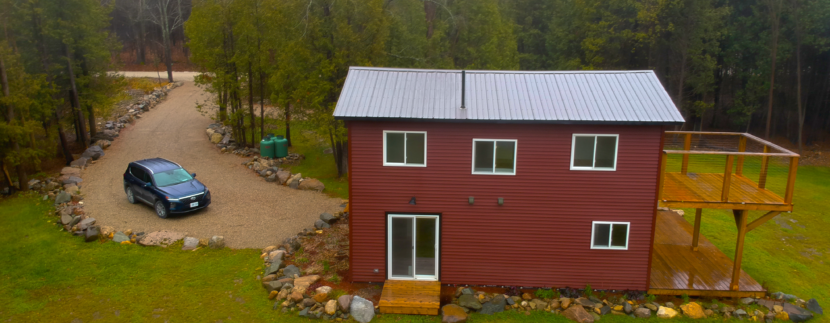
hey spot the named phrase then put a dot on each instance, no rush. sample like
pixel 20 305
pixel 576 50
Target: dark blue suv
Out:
pixel 164 185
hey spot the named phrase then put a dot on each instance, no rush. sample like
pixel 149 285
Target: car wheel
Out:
pixel 161 210
pixel 130 195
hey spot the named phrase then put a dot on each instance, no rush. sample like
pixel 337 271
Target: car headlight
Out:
pixel 171 200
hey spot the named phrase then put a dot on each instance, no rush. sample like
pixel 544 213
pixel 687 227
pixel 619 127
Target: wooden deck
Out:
pixel 676 269
pixel 694 190
pixel 410 297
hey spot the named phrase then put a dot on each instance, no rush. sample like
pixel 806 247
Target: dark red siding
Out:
pixel 541 235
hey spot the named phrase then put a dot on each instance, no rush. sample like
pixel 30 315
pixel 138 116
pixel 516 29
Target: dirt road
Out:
pixel 246 210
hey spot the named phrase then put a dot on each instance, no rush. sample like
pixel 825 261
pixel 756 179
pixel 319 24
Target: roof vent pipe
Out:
pixel 463 87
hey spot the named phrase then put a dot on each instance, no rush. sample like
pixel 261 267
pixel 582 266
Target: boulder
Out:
pixel 344 302
pixel 323 290
pixel 216 242
pixel 94 152
pixel 86 223
pixel 72 189
pixel 215 138
pixel 272 286
pixel 747 300
pixel 312 184
pixel 120 237
pixel 813 306
pixel 361 309
pixel 158 238
pixel 796 314
pixel 308 302
pixel 190 243
pixel 80 162
pixel 276 265
pixel 104 144
pixel 642 312
pixel 70 180
pixel 295 297
pixel 283 176
pixel 66 219
pixel 275 255
pixel 565 302
pixel 271 178
pixel 452 313
pixel 269 278
pixel 331 307
pixel 63 197
pixel 71 171
pixel 290 271
pixel 584 302
pixel 666 313
pixel 495 305
pixel 538 304
pixel 294 180
pixel 578 314
pixel 320 224
pixel 301 284
pixel 327 217
pixel 693 310
pixel 92 233
pixel 627 308
pixel 469 301
pixel 320 297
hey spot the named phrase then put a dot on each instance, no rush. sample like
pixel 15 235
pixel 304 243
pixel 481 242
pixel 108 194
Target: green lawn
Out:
pixel 47 275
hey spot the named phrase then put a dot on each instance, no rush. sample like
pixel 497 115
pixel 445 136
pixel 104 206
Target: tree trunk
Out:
pixel 288 123
pixel 775 23
pixel 261 106
pixel 251 104
pixel 22 179
pixel 75 98
pixel 430 10
pixel 168 60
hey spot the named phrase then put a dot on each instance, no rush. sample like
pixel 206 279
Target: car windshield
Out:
pixel 171 177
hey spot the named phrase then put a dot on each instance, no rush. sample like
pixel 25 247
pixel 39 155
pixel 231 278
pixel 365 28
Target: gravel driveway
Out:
pixel 246 210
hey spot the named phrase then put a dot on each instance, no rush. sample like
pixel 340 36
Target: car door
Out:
pixel 141 177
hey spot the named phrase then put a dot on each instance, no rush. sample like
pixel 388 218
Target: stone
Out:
pixel 215 138
pixel 72 189
pixel 812 305
pixel 331 307
pixel 66 219
pixel 271 178
pixel 94 152
pixel 275 267
pixel 309 302
pixel 103 143
pixel 627 308
pixel 693 310
pixel 320 224
pixel 670 305
pixel 80 162
pixel 63 197
pixel 120 237
pixel 190 243
pixel 585 302
pixel 666 313
pixel 301 284
pixel 554 304
pixel 526 296
pixel 538 304
pixel 295 297
pixel 327 217
pixel 642 312
pixel 747 300
pixel 344 302
pixel 707 312
pixel 783 316
pixel 469 301
pixel 294 180
pixel 216 242
pixel 312 184
pixel 361 309
pixel 160 238
pixel 797 314
pixel 86 223
pixel 273 294
pixel 651 307
pixel 321 297
pixel 283 294
pixel 323 289
pixel 283 176
pixel 71 171
pixel 578 314
pixel 92 233
pixel 565 302
pixel 452 313
pixel 290 271
pixel 604 310
pixel 495 305
pixel 740 313
pixel 777 308
pixel 70 180
pixel 272 286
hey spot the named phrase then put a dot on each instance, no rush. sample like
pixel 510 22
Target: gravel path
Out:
pixel 248 211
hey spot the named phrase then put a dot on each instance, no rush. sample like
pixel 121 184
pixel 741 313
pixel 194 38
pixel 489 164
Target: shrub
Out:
pixel 588 291
pixel 544 293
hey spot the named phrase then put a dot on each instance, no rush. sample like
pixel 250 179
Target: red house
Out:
pixel 536 179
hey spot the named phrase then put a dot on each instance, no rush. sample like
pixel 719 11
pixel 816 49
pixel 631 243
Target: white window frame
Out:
pixel 389 275
pixel 610 234
pixel 616 151
pixel 404 164
pixel 515 153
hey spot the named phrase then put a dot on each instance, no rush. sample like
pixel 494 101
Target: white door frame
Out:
pixel 415 246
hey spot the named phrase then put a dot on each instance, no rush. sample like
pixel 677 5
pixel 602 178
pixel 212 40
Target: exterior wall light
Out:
pixel 471 200
pixel 501 201
pixel 412 201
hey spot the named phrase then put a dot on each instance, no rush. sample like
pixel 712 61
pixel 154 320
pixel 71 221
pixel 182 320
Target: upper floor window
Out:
pixel 405 148
pixel 494 156
pixel 609 235
pixel 594 152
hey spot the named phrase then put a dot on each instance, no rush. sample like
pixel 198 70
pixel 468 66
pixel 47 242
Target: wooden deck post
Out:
pixel 788 195
pixel 661 178
pixel 727 178
pixel 762 180
pixel 739 169
pixel 696 236
pixel 740 219
pixel 687 145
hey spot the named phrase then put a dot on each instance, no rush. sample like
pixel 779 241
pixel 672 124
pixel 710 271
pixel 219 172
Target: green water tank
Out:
pixel 266 147
pixel 280 147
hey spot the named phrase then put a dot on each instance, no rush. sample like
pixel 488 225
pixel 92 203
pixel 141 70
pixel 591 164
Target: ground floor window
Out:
pixel 412 246
pixel 609 235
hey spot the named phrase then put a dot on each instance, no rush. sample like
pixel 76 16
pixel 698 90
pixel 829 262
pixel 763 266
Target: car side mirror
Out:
pixel 193 174
pixel 146 185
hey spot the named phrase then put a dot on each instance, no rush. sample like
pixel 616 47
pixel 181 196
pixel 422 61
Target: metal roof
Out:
pixel 588 97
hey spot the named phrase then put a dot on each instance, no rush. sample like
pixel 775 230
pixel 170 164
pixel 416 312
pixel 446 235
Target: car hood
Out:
pixel 183 189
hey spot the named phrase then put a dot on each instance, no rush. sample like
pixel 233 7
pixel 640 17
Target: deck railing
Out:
pixel 732 185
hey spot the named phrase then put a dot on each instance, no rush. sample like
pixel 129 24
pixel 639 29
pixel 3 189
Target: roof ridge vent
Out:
pixel 463 88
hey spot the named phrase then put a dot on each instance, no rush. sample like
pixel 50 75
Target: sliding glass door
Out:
pixel 412 245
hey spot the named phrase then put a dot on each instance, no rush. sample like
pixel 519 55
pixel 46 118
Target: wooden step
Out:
pixel 411 297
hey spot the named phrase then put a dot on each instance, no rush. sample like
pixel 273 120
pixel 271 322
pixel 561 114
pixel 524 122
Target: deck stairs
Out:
pixel 411 297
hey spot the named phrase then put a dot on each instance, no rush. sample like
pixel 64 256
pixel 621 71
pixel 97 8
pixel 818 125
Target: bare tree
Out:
pixel 136 12
pixel 168 15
